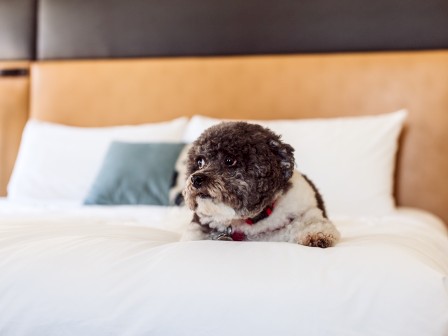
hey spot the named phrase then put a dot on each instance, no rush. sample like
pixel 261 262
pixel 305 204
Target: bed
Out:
pixel 68 270
pixel 369 127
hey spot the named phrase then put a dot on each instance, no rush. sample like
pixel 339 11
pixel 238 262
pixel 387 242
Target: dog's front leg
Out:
pixel 195 231
pixel 316 230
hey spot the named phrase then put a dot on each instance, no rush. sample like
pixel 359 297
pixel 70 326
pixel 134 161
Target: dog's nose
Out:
pixel 197 180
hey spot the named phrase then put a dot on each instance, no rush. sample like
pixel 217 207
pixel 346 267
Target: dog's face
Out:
pixel 237 168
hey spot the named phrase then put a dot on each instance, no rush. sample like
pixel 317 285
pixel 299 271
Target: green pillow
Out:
pixel 135 173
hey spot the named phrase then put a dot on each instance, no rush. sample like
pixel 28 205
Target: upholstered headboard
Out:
pixel 112 62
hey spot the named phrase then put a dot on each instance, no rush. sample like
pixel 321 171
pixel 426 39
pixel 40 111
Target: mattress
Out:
pixel 67 269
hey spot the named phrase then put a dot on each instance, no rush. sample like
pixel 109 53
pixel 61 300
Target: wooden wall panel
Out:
pixel 14 107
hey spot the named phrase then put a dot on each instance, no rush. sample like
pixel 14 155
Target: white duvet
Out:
pixel 71 270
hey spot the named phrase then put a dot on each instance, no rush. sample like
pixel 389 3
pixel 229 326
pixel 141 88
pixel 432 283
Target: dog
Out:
pixel 242 185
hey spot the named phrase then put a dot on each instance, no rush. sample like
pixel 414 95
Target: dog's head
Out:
pixel 237 166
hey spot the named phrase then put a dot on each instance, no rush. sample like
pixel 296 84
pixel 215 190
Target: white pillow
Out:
pixel 57 162
pixel 351 160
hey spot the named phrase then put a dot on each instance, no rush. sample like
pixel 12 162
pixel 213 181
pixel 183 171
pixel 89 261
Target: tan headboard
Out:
pixel 95 93
pixel 14 109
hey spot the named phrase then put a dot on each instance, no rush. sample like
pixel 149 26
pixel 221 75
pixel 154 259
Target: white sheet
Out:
pixel 71 270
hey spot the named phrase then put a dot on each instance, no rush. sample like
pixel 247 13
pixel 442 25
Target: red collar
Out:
pixel 262 215
pixel 239 236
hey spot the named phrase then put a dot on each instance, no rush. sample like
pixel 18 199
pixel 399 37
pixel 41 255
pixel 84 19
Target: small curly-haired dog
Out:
pixel 242 185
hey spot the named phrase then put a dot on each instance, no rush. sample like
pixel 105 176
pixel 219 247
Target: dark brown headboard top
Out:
pixel 73 29
pixel 17 29
pixel 136 28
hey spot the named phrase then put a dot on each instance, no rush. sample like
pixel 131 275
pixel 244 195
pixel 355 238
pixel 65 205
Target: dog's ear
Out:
pixel 285 156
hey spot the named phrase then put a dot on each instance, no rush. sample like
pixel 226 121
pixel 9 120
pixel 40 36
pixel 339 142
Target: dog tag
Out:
pixel 225 235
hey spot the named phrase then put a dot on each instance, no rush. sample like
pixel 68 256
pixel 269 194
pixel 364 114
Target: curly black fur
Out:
pixel 244 166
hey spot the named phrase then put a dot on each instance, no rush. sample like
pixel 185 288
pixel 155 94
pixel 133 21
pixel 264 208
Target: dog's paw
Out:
pixel 319 239
pixel 319 233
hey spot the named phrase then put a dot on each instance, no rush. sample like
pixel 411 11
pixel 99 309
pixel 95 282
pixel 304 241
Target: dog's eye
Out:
pixel 229 161
pixel 200 162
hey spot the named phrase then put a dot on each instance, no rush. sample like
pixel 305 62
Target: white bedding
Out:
pixel 73 270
